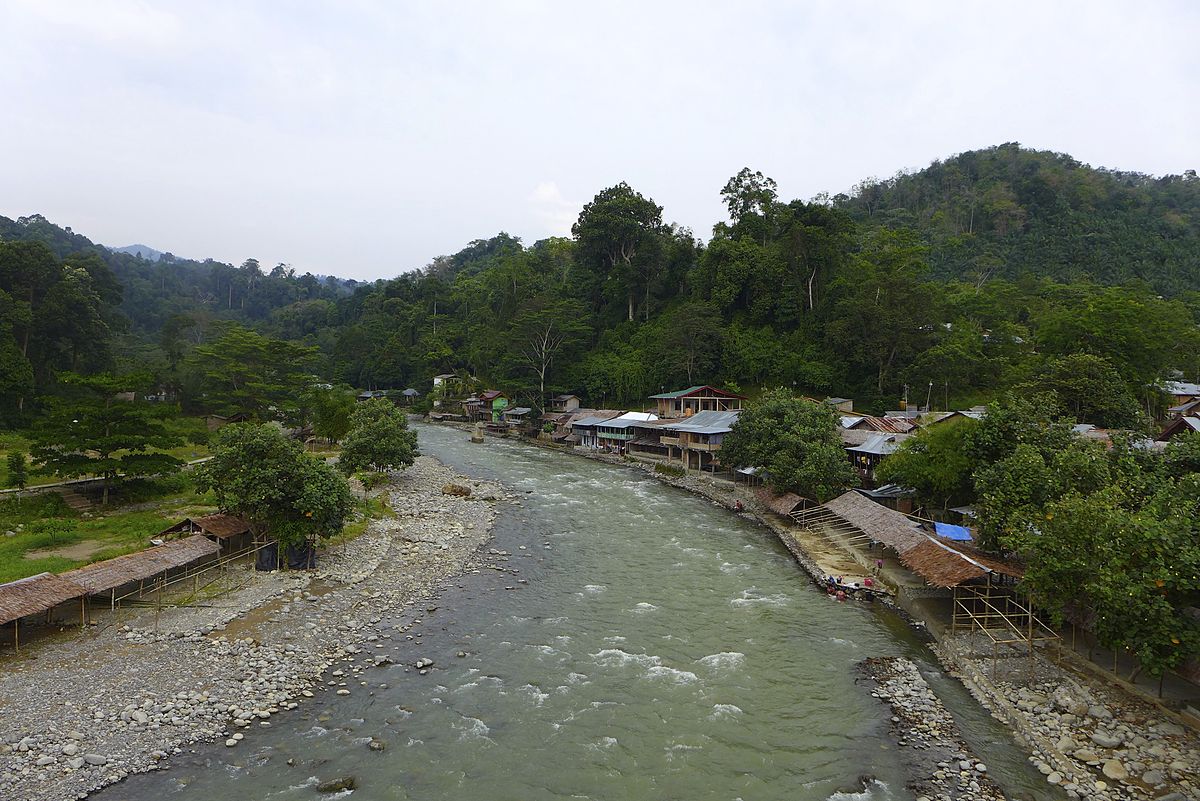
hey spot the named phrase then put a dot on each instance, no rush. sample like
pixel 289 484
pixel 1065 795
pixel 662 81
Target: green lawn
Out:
pixel 49 524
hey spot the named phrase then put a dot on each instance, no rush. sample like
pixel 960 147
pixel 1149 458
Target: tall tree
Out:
pixel 102 428
pixel 245 372
pixel 258 473
pixel 379 439
pixel 545 330
pixel 617 234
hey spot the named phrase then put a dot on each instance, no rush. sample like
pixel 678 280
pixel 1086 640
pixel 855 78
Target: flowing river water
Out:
pixel 663 648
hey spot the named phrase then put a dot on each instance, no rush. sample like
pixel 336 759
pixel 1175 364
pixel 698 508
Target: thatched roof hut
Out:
pixel 782 504
pixel 35 594
pixel 939 561
pixel 112 573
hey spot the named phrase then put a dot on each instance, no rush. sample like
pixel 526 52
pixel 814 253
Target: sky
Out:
pixel 363 139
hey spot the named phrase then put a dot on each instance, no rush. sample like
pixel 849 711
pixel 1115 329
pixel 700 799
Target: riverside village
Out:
pixel 610 402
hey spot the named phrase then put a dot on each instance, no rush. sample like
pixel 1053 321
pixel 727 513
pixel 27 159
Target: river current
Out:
pixel 662 648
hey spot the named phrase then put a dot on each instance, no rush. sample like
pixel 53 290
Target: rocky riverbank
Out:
pixel 1093 739
pixel 84 710
pixel 941 765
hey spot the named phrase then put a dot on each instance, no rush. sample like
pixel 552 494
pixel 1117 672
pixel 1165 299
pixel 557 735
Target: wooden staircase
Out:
pixel 75 500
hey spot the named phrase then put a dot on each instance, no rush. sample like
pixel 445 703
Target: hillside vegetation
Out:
pixel 996 269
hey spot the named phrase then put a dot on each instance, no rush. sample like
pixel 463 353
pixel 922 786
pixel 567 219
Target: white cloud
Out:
pixel 556 213
pixel 302 132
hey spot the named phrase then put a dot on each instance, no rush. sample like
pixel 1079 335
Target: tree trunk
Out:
pixel 631 304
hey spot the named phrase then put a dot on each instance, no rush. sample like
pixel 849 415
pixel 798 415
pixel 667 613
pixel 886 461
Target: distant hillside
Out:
pixel 155 289
pixel 1006 211
pixel 141 251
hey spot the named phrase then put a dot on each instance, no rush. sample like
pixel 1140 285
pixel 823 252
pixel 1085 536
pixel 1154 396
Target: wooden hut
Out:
pixel 36 595
pixel 127 575
pixel 230 532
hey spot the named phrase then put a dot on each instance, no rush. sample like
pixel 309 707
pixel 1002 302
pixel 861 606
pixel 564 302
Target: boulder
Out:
pixel 1113 769
pixel 338 785
pixel 1106 740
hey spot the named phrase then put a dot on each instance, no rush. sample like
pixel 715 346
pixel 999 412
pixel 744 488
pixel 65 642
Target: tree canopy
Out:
pixel 796 441
pixel 379 439
pixel 258 473
pixel 103 428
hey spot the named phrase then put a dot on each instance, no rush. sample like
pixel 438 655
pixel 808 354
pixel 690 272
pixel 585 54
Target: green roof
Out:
pixel 679 393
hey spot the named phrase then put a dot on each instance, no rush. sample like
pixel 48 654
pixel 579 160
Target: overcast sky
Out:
pixel 364 138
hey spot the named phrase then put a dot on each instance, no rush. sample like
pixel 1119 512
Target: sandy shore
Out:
pixel 85 709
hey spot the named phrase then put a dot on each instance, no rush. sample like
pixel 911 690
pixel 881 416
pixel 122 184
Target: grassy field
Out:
pixel 49 536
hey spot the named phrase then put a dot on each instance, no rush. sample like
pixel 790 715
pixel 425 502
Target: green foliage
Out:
pixel 245 372
pixel 329 409
pixel 1182 455
pixel 936 463
pixel 95 432
pixel 260 474
pixel 669 470
pixel 1108 535
pixel 1131 574
pixel 796 441
pixel 18 470
pixel 379 439
pixel 1088 389
pixel 1007 210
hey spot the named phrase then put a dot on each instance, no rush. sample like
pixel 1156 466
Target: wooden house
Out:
pixel 1181 392
pixel 232 534
pixel 217 421
pixel 1185 424
pixel 866 454
pixel 486 407
pixel 686 402
pixel 615 435
pixel 697 439
pixel 564 404
pixel 516 417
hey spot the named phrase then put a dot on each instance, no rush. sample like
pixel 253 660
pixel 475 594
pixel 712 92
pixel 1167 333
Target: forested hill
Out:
pixel 153 291
pixel 1006 211
pixel 996 270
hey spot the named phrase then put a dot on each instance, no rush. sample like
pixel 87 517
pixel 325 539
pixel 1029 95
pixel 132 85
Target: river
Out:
pixel 662 648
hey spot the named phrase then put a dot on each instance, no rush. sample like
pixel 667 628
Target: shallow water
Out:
pixel 662 649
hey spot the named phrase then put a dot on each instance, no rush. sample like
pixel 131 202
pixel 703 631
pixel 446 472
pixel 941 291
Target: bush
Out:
pixel 669 470
pixel 371 481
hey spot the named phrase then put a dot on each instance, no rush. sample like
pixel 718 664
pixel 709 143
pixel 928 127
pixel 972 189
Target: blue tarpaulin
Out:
pixel 960 533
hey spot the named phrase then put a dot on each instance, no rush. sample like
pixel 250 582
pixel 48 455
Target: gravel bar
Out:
pixel 80 711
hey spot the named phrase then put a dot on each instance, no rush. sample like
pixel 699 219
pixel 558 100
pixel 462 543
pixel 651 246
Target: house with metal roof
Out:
pixel 697 439
pixel 614 435
pixel 1181 392
pixel 584 428
pixel 1180 425
pixel 686 402
pixel 866 455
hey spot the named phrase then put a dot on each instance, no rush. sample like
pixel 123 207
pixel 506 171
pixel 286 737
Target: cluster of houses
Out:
pixel 686 427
